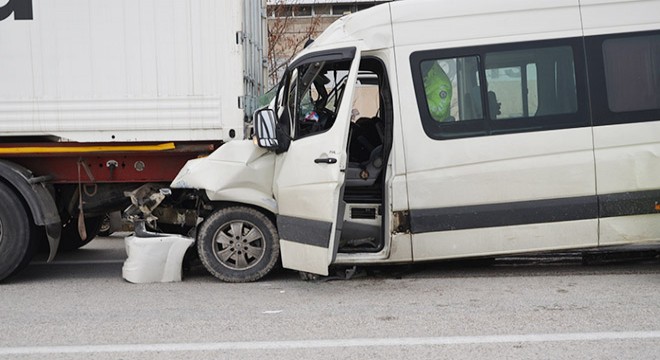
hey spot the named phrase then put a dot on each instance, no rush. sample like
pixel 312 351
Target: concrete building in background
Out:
pixel 292 22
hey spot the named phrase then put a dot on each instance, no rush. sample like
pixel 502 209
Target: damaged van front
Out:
pixel 237 239
pixel 240 172
pixel 281 192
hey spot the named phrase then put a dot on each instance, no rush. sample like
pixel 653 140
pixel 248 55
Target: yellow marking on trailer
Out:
pixel 84 149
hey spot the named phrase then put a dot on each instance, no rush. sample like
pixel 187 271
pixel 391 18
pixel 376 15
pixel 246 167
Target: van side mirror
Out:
pixel 265 126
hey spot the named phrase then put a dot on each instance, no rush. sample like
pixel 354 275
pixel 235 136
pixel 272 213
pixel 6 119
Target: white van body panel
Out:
pixel 448 24
pixel 502 169
pixel 504 240
pixel 627 157
pixel 629 229
pixel 371 27
pixel 322 179
pixel 615 16
pixel 628 160
pixel 505 168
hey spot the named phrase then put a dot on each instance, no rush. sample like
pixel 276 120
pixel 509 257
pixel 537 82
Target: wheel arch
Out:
pixel 217 205
pixel 244 196
pixel 40 203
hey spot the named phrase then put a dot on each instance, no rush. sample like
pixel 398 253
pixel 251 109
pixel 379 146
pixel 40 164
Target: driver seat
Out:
pixel 365 173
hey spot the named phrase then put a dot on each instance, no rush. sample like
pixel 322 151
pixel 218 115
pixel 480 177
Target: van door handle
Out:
pixel 325 161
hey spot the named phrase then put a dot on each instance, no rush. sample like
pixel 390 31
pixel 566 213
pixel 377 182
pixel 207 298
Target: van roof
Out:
pixel 449 23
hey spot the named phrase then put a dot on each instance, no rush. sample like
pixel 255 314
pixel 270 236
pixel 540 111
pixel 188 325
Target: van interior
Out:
pixel 369 145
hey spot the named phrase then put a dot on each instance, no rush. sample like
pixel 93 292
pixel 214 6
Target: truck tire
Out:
pixel 71 240
pixel 16 244
pixel 238 244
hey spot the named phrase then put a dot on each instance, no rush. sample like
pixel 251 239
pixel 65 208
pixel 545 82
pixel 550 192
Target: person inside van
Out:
pixel 494 107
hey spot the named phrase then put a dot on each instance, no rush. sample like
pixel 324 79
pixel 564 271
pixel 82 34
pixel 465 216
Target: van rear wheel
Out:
pixel 16 246
pixel 238 244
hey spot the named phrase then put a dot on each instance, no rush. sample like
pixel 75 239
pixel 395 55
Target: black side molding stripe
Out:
pixel 304 231
pixel 533 212
pixel 629 203
pixel 506 214
pixel 317 233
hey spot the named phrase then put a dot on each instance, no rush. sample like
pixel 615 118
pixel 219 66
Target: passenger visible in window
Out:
pixel 438 89
pixel 494 107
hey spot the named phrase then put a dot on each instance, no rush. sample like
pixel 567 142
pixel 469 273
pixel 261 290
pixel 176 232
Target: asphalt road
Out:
pixel 518 308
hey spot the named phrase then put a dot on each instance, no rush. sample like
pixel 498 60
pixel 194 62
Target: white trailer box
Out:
pixel 129 70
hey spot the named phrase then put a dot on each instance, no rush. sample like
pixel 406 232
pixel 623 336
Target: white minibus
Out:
pixel 499 127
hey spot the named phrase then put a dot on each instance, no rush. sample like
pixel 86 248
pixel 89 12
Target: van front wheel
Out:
pixel 238 244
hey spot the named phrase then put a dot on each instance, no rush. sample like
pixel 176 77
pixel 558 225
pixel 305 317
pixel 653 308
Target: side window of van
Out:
pixel 314 93
pixel 632 73
pixel 624 76
pixel 530 83
pixel 501 89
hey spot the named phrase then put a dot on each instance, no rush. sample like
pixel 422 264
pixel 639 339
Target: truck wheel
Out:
pixel 16 245
pixel 70 239
pixel 238 244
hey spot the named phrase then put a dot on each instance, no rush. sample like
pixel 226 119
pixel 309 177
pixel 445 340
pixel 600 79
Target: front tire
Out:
pixel 16 244
pixel 238 244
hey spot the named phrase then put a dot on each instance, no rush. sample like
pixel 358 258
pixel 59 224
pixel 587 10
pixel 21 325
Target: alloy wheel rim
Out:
pixel 239 245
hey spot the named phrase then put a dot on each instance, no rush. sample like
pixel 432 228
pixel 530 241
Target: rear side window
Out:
pixel 531 83
pixel 624 77
pixel 632 73
pixel 501 89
